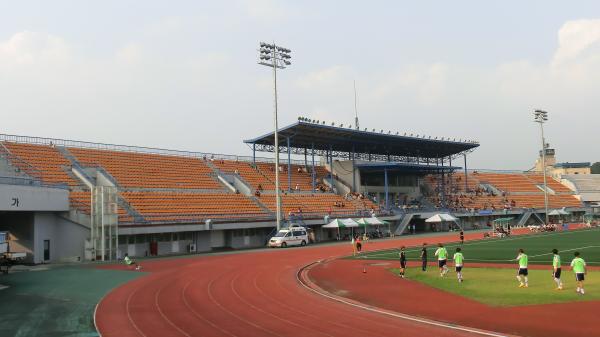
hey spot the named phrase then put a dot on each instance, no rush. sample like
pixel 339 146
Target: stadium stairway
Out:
pixel 236 181
pixel 78 171
pixel 403 224
pixel 261 205
pixel 9 170
pixel 524 218
pixel 131 212
pixel 13 166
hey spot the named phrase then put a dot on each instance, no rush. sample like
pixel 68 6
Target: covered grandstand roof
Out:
pixel 405 167
pixel 304 135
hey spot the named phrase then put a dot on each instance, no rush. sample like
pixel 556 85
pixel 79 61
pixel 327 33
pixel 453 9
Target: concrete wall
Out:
pixel 31 198
pixel 343 170
pixel 67 239
pixel 247 238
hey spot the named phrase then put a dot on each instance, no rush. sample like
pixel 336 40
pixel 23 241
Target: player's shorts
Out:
pixel 557 273
pixel 458 268
pixel 523 271
pixel 441 263
pixel 579 276
pixel 402 264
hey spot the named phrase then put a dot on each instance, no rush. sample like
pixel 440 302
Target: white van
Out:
pixel 292 236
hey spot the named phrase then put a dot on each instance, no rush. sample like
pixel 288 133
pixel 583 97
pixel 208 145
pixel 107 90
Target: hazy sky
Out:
pixel 183 74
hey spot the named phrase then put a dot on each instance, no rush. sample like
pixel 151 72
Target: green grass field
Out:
pixel 499 287
pixel 537 246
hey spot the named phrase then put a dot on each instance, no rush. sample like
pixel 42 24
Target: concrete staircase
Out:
pixel 8 170
pixel 403 224
pixel 13 166
pixel 261 205
pixel 137 216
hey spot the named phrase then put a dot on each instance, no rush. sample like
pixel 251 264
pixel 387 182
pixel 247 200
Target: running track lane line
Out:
pixel 289 308
pixel 277 317
pixel 193 311
pixel 303 281
pixel 229 312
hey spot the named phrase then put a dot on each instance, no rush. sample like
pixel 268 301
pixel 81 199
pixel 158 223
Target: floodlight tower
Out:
pixel 276 57
pixel 541 117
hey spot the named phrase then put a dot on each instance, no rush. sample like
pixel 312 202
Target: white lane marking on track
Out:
pixel 337 311
pixel 401 316
pixel 157 305
pixel 232 286
pixel 285 290
pixel 187 304
pixel 210 295
pixel 129 312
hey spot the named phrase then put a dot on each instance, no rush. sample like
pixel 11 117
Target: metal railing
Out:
pixel 26 181
pixel 134 149
pixel 21 164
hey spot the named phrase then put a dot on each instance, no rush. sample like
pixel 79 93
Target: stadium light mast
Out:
pixel 276 57
pixel 541 117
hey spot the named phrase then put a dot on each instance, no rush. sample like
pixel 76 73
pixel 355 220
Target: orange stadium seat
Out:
pixel 53 166
pixel 175 206
pixel 144 170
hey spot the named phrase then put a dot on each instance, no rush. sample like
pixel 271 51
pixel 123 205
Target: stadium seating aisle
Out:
pixel 550 182
pixel 246 171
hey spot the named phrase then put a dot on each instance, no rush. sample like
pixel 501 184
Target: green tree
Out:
pixel 596 168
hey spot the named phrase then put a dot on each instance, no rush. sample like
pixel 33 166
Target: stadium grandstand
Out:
pixel 73 201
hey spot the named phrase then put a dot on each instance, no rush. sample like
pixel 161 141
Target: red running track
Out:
pixel 247 294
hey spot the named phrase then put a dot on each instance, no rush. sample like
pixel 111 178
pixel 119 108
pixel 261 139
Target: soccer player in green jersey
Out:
pixel 578 266
pixel 458 264
pixel 556 269
pixel 522 273
pixel 442 255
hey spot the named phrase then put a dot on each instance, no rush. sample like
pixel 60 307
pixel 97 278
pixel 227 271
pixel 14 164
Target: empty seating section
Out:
pixel 313 204
pixel 537 201
pixel 149 170
pixel 81 200
pixel 508 182
pixel 53 166
pixel 550 182
pixel 454 183
pixel 172 206
pixel 249 174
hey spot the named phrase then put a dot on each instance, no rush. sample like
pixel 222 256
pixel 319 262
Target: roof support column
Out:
pixel 313 174
pixel 353 171
pixel 443 197
pixel 289 165
pixel 386 189
pixel 466 177
pixel 331 166
pixel 254 154
pixel 305 159
pixel 450 174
